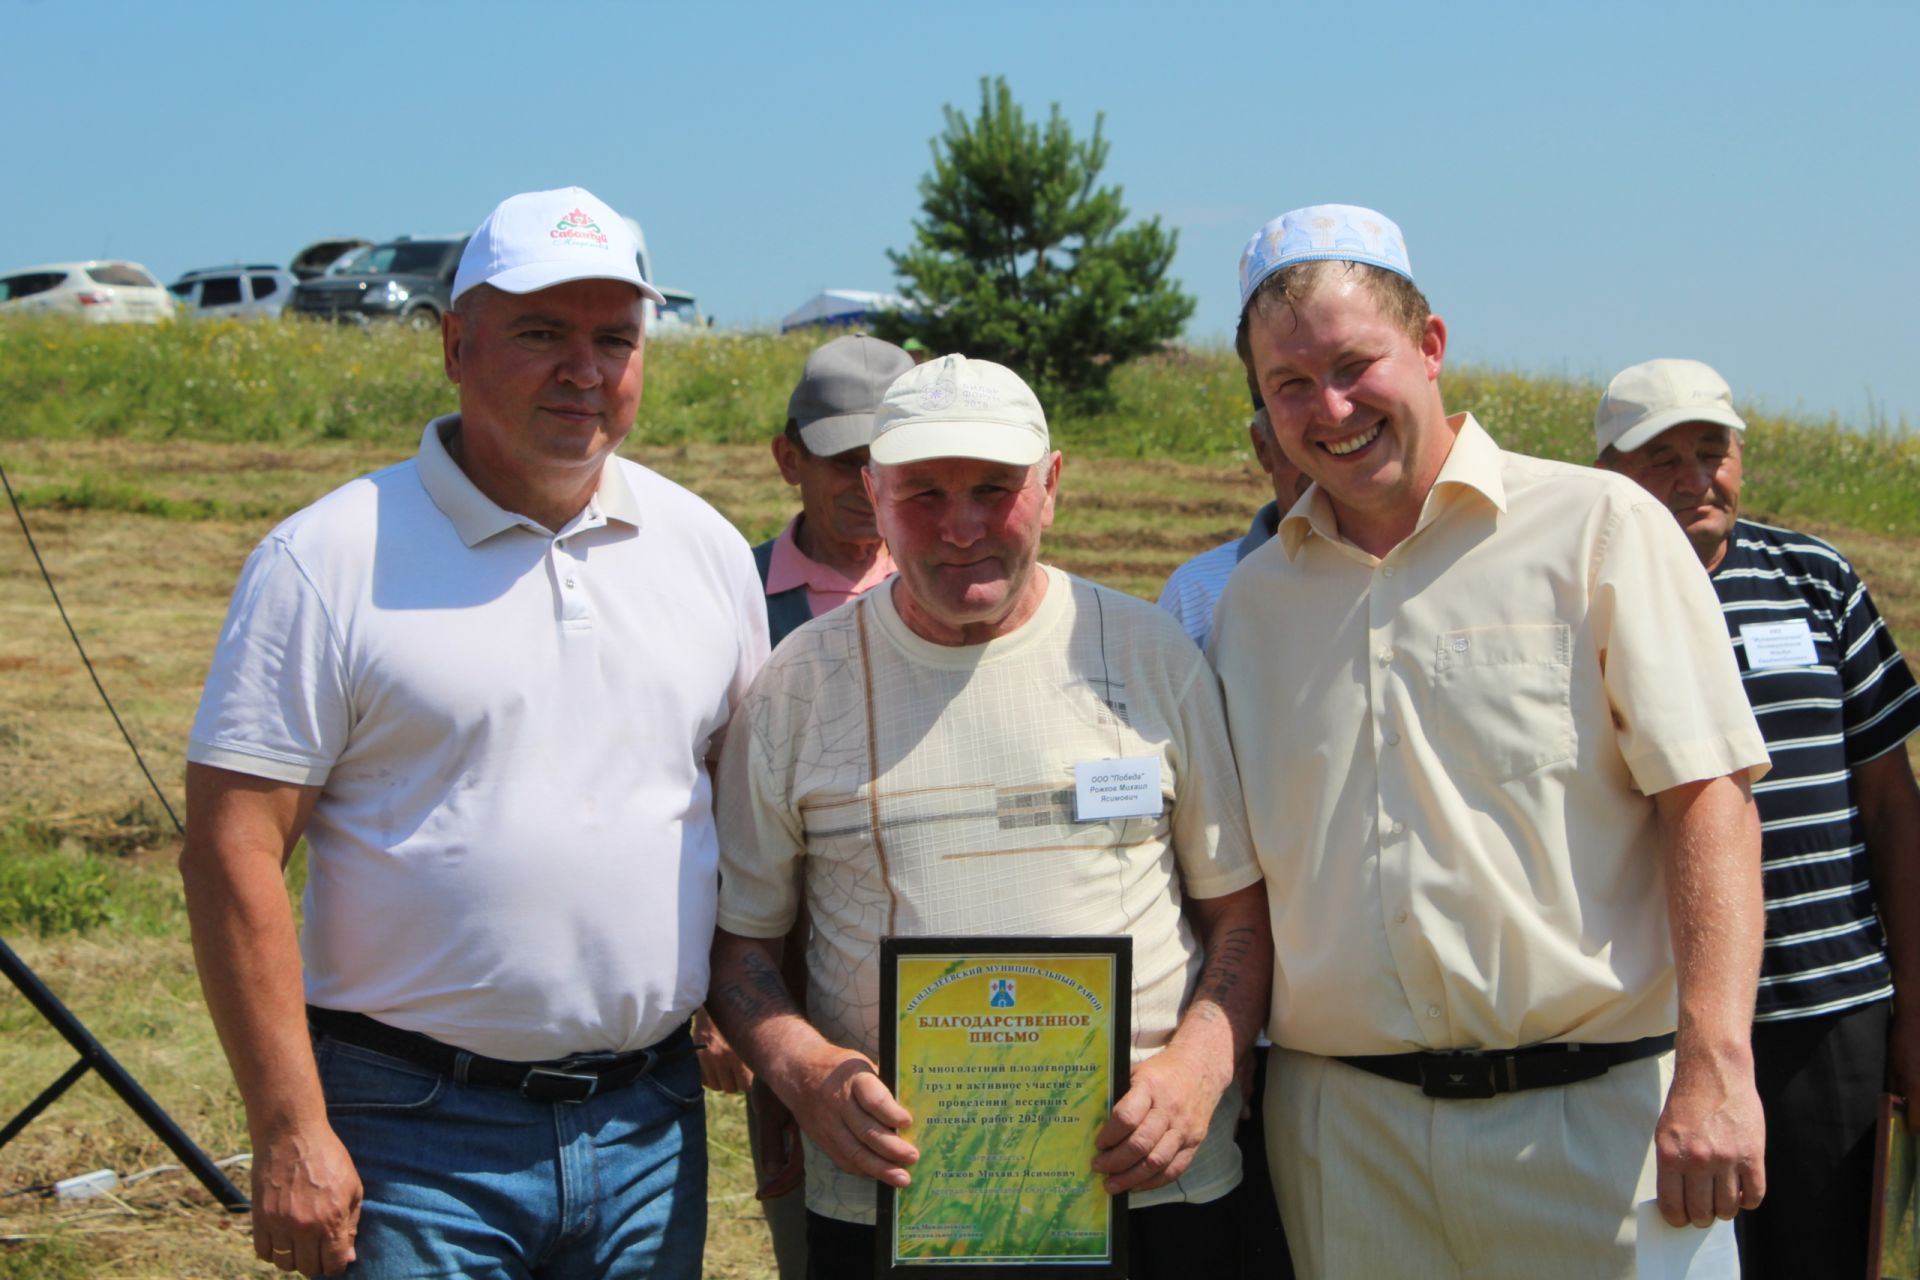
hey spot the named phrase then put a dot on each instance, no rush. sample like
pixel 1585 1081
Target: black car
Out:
pixel 404 279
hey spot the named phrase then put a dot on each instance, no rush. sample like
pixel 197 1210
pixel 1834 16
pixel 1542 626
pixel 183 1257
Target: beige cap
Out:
pixel 1648 398
pixel 954 407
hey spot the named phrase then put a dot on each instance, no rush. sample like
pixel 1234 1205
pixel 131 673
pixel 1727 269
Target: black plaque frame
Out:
pixel 1119 948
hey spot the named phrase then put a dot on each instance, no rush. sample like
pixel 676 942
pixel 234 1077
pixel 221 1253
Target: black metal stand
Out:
pixel 93 1057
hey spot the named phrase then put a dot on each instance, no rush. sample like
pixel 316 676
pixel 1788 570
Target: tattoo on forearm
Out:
pixel 1225 965
pixel 760 993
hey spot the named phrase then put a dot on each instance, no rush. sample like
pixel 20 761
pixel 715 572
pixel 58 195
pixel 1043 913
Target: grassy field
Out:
pixel 150 463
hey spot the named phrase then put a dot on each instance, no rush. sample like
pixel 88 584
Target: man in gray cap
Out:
pixel 484 685
pixel 1514 879
pixel 1834 1022
pixel 908 766
pixel 831 551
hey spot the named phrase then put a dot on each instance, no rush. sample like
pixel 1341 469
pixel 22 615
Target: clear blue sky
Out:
pixel 1582 186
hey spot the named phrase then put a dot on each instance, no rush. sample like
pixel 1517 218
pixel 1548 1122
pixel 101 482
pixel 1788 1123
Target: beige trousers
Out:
pixel 1375 1179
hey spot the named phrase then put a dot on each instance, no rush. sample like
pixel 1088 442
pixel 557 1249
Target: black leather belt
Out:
pixel 573 1079
pixel 1478 1073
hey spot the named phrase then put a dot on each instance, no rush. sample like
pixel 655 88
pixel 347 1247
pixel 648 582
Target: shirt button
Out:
pixel 1384 657
pixel 1397 829
pixel 1386 573
pixel 1393 739
pixel 1433 1011
pixel 1399 917
pixel 569 584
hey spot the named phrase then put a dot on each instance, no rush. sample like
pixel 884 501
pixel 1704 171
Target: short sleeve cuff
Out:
pixel 751 927
pixel 1679 763
pixel 279 768
pixel 1218 886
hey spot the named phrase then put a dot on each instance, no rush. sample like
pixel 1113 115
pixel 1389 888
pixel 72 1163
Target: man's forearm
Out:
pixel 750 1002
pixel 1710 836
pixel 248 953
pixel 1889 806
pixel 245 943
pixel 1229 1002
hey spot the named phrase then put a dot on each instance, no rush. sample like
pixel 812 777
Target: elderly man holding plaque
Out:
pixel 990 747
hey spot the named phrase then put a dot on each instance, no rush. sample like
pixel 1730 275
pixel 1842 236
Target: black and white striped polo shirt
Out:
pixel 1823 707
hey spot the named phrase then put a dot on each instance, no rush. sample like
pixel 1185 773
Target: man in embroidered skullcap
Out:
pixel 1497 767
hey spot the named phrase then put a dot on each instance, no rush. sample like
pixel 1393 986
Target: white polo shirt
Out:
pixel 513 850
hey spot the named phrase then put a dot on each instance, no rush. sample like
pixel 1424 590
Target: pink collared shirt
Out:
pixel 827 588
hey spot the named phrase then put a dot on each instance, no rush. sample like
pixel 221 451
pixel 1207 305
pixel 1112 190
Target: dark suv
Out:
pixel 404 279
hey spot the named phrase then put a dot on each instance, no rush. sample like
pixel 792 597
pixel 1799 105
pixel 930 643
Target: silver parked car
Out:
pixel 258 291
pixel 101 292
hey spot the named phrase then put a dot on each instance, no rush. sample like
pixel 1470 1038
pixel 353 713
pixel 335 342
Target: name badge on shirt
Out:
pixel 1779 644
pixel 1124 788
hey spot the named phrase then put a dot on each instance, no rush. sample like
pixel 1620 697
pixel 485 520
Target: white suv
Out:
pixel 260 290
pixel 102 292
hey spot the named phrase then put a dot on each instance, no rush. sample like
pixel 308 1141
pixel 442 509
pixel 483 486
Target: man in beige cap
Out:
pixel 908 765
pixel 828 554
pixel 1839 818
pixel 483 684
pixel 1506 862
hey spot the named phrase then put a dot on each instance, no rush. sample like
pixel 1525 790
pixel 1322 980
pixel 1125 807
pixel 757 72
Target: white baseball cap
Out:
pixel 1646 399
pixel 954 407
pixel 538 239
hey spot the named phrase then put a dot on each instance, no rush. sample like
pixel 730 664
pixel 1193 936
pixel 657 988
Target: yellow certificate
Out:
pixel 1009 1053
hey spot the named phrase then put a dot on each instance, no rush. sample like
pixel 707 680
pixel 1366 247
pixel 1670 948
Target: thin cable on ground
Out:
pixel 46 577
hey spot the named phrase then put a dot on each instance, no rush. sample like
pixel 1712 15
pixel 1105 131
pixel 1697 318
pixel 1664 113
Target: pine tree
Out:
pixel 1019 257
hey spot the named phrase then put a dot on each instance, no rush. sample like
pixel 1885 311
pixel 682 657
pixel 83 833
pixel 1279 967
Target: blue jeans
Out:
pixel 481 1183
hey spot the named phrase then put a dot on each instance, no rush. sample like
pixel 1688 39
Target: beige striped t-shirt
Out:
pixel 918 789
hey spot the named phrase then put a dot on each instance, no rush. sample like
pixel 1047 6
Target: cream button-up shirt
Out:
pixel 1449 754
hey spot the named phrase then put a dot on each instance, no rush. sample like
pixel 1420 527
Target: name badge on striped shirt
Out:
pixel 1778 644
pixel 1124 788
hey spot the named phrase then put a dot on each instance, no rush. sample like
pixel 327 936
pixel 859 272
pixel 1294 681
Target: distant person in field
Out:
pixel 906 766
pixel 1496 760
pixel 1193 589
pixel 828 554
pixel 484 684
pixel 1834 1023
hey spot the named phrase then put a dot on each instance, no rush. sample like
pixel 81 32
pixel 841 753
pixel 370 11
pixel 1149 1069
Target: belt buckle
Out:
pixel 544 1084
pixel 1457 1075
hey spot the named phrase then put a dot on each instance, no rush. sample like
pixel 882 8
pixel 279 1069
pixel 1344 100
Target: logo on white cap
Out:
pixel 538 239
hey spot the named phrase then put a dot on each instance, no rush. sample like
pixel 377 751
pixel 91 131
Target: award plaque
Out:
pixel 1008 1053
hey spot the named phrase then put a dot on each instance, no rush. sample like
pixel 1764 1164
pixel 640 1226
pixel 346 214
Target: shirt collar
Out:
pixel 476 517
pixel 1473 465
pixel 789 567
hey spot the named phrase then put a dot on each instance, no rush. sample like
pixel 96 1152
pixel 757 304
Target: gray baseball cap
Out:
pixel 840 391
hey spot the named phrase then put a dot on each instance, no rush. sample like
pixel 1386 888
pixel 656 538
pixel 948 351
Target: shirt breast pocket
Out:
pixel 1503 698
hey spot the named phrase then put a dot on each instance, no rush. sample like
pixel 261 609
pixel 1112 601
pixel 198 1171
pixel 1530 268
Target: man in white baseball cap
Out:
pixel 1515 886
pixel 483 684
pixel 907 763
pixel 1834 1022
